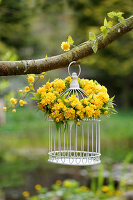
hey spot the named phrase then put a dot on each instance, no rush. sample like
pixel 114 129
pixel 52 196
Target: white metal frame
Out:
pixel 65 149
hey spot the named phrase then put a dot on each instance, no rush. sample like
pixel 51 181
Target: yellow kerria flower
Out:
pixel 70 114
pixel 21 102
pixel 68 79
pixel 41 77
pixel 89 111
pixel 27 89
pixel 78 123
pixel 14 110
pixel 109 193
pixel 117 192
pixel 50 98
pixel 105 188
pixel 31 79
pixel 84 188
pixel 5 108
pixel 59 84
pixel 97 113
pixel 26 194
pixel 57 119
pixel 67 183
pixel 38 187
pixel 106 112
pixel 58 182
pixel 20 91
pixel 65 46
pixel 13 101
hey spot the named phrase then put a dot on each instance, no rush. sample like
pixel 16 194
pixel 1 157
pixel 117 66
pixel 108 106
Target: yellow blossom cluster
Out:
pixel 62 109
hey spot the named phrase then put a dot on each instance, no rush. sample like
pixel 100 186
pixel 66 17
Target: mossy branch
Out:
pixel 38 66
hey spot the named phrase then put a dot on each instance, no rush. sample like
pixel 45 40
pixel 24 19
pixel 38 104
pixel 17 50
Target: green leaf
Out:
pixel 119 14
pixel 122 20
pixel 100 176
pixel 31 75
pixel 32 87
pixel 111 14
pixel 105 22
pixel 70 40
pixel 115 14
pixel 110 24
pixel 92 36
pixel 33 198
pixel 112 98
pixel 105 32
pixel 102 28
pixel 95 46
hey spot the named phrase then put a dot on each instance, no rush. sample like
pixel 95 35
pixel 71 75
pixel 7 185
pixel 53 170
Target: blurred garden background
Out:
pixel 31 29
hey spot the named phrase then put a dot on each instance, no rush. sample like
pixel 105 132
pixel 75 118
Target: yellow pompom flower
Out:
pixel 26 194
pixel 70 114
pixel 67 183
pixel 5 108
pixel 84 188
pixel 117 192
pixel 58 182
pixel 14 110
pixel 68 79
pixel 59 85
pixel 13 101
pixel 106 112
pixel 89 111
pixel 27 89
pixel 65 46
pixel 105 188
pixel 38 187
pixel 97 113
pixel 20 91
pixel 41 77
pixel 78 123
pixel 21 102
pixel 31 79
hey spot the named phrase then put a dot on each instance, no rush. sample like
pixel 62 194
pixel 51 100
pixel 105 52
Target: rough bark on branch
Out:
pixel 60 61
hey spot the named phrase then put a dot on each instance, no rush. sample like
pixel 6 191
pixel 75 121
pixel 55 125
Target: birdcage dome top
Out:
pixel 74 88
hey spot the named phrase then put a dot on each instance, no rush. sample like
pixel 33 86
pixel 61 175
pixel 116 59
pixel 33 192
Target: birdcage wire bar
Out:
pixel 76 145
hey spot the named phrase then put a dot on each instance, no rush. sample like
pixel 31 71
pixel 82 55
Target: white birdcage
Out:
pixel 73 144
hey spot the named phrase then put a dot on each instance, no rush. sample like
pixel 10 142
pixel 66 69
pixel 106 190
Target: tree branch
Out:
pixel 60 61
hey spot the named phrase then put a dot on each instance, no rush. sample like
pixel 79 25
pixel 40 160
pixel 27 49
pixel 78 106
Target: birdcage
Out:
pixel 72 144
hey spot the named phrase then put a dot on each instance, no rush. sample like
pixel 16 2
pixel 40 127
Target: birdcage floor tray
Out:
pixel 80 158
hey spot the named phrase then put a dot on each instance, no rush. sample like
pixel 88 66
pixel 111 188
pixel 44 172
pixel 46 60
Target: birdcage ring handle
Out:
pixel 71 63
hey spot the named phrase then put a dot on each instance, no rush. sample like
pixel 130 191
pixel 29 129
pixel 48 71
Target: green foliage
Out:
pixel 92 36
pixel 70 40
pixel 100 176
pixel 9 55
pixel 94 42
pixel 95 46
pixel 104 29
pixel 3 85
pixel 118 16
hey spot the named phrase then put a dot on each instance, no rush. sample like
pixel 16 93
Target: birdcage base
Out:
pixel 78 158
